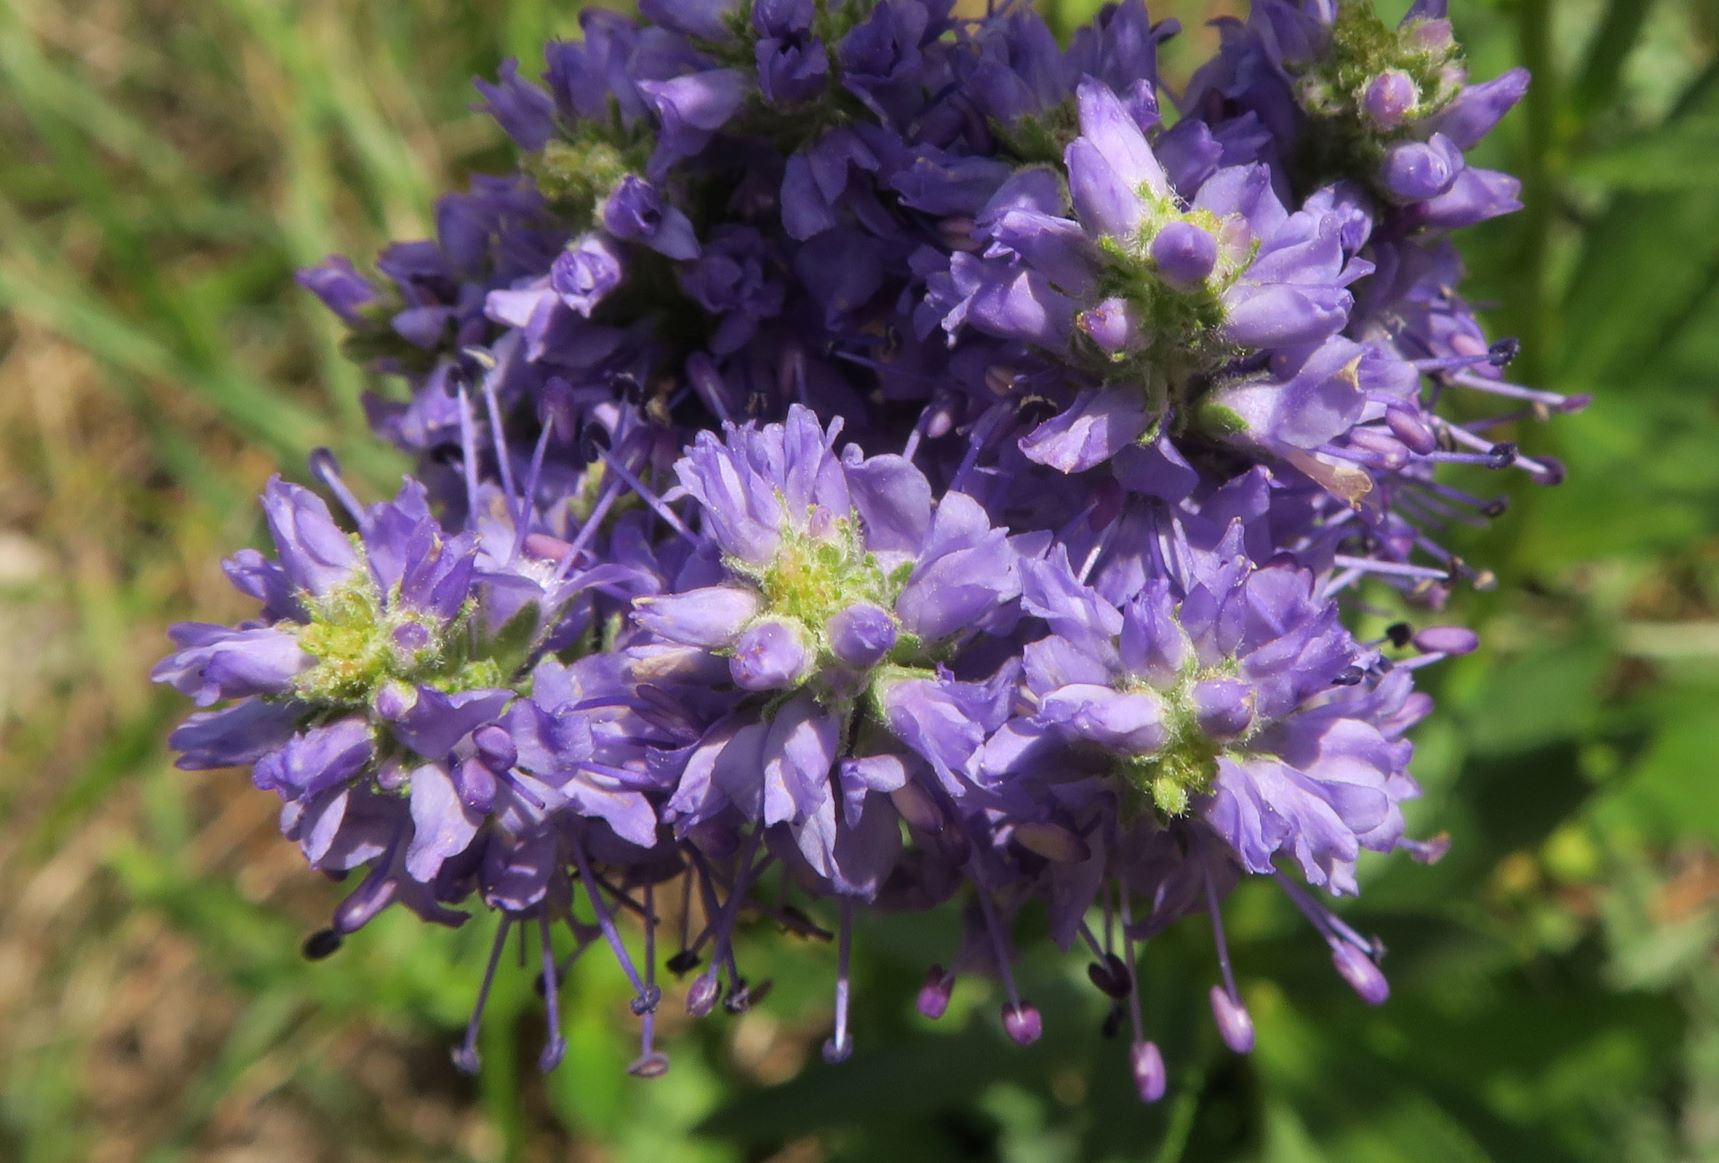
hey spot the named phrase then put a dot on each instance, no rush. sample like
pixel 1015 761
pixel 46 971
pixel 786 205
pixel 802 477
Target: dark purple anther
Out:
pixel 320 944
pixel 1502 455
pixel 1111 976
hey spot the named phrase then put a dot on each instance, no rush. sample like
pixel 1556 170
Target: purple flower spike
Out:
pixel 870 462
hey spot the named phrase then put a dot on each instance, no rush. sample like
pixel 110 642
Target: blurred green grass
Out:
pixel 166 168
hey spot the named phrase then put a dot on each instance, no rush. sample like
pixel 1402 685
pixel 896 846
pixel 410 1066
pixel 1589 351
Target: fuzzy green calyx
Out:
pixel 361 643
pixel 1332 89
pixel 1180 327
pixel 812 578
pixel 1186 764
pixel 575 173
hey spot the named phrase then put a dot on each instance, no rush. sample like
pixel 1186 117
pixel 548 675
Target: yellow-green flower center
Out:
pixel 361 643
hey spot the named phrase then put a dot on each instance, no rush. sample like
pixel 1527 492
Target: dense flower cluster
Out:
pixel 875 457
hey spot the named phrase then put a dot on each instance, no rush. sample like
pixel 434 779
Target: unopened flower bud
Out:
pixel 1415 171
pixel 861 635
pixel 1224 706
pixel 769 656
pixel 1389 99
pixel 1185 254
pixel 1111 325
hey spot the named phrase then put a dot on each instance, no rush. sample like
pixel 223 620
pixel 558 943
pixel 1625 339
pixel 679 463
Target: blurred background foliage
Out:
pixel 165 166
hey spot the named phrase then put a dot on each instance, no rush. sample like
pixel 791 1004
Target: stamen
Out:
pixel 496 435
pixel 839 1048
pixel 522 523
pixel 668 515
pixel 701 997
pixel 1552 400
pixel 1021 1020
pixel 1390 568
pixel 1355 956
pixel 647 998
pixel 1144 1058
pixel 649 1063
pixel 1450 363
pixel 1235 1025
pixel 552 1053
pixel 1428 851
pixel 465 1055
pixel 325 468
pixel 468 452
